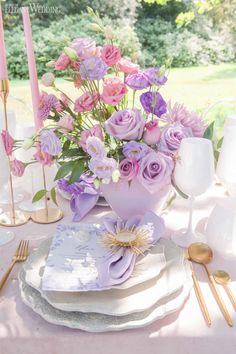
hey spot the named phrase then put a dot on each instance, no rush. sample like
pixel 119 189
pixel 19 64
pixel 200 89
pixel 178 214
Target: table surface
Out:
pixel 23 331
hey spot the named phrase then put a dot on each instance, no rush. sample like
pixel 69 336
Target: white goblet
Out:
pixel 5 235
pixel 194 174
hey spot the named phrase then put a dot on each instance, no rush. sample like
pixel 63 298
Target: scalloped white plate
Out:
pixel 116 301
pixel 94 322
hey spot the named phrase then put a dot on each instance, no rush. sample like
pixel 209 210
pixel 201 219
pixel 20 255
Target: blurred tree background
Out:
pixel 191 32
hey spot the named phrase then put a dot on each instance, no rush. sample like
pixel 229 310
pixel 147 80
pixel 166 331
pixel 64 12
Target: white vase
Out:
pixel 133 199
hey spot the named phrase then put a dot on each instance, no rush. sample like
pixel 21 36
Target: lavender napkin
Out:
pixel 78 260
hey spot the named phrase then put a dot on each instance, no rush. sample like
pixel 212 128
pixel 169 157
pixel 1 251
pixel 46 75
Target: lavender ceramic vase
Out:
pixel 129 200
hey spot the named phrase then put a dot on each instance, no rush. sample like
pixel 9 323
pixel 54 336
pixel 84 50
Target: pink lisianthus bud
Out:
pixel 43 157
pixel 66 123
pixel 8 142
pixel 96 130
pixel 17 168
pixel 62 62
pixel 65 99
pixel 86 102
pixel 152 133
pixel 48 79
pixel 77 81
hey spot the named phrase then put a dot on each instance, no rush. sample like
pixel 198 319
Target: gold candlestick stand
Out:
pixel 46 215
pixel 14 217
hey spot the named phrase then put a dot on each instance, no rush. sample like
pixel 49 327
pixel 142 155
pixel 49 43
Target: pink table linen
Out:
pixel 184 332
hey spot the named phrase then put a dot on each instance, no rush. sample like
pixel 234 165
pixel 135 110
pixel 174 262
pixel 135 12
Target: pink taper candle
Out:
pixel 31 66
pixel 3 61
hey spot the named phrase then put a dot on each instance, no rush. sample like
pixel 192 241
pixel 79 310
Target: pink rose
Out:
pixel 110 54
pixel 127 67
pixel 113 93
pixel 127 124
pixel 62 62
pixel 17 168
pixel 128 169
pixel 84 47
pixel 155 171
pixel 8 142
pixel 96 130
pixel 86 102
pixel 67 123
pixel 43 157
pixel 152 133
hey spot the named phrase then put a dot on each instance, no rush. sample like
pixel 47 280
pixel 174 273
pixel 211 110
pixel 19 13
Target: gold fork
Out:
pixel 21 255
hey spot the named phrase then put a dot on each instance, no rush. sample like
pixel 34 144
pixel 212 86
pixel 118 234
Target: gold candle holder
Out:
pixel 46 215
pixel 14 217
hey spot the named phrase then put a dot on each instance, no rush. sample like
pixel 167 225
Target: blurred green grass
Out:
pixel 197 87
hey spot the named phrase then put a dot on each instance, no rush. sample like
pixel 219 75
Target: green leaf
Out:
pixel 39 195
pixel 77 171
pixel 64 170
pixel 54 195
pixel 209 131
pixel 219 144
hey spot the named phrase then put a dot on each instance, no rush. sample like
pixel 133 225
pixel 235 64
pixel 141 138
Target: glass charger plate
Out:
pixel 94 322
pixel 116 301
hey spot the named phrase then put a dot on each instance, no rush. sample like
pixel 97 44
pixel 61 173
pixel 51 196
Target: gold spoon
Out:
pixel 201 253
pixel 223 278
pixel 198 292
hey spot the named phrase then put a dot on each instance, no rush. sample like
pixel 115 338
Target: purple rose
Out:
pixel 153 102
pixel 135 150
pixel 154 78
pixel 127 124
pixel 103 168
pixel 155 171
pixel 93 69
pixel 171 137
pixel 137 81
pixel 128 169
pixel 50 143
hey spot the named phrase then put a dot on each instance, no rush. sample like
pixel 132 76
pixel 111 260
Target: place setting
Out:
pixel 119 148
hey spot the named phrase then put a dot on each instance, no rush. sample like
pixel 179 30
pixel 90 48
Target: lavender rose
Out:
pixel 127 124
pixel 93 69
pixel 135 150
pixel 137 81
pixel 50 142
pixel 171 137
pixel 155 171
pixel 128 169
pixel 153 102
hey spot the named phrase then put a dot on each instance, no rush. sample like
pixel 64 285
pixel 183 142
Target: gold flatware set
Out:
pixel 21 255
pixel 201 253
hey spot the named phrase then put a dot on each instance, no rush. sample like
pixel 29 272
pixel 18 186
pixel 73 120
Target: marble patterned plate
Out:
pixel 120 302
pixel 94 322
pixel 34 266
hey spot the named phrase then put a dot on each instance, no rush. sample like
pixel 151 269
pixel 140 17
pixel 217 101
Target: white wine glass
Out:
pixel 194 174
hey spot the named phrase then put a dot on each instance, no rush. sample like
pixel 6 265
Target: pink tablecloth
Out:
pixel 185 332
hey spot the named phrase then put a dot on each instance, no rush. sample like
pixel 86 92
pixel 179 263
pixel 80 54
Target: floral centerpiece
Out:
pixel 119 135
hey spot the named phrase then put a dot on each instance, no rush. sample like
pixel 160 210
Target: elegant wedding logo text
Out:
pixel 33 8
